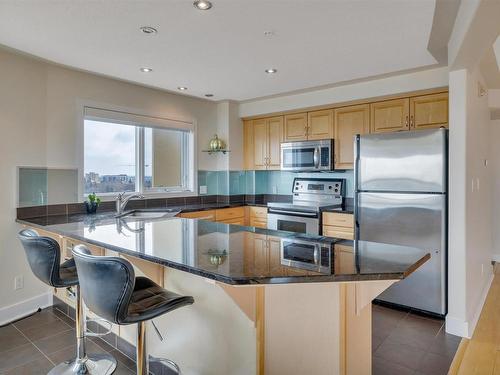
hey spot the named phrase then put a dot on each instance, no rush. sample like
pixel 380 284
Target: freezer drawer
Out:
pixel 416 220
pixel 404 161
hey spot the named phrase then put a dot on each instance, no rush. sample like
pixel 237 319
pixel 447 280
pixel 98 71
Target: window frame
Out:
pixel 141 121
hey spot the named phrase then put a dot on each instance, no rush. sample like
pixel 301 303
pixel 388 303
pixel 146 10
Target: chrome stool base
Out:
pixel 171 364
pixel 94 364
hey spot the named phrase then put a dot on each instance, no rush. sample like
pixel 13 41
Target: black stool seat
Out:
pixel 111 290
pixel 44 256
pixel 150 300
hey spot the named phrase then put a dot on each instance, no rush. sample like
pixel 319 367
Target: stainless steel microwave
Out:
pixel 307 156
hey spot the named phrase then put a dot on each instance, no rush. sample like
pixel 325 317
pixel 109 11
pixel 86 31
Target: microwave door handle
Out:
pixel 316 255
pixel 316 157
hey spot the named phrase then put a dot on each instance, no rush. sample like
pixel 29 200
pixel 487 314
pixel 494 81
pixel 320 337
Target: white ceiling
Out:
pixel 224 51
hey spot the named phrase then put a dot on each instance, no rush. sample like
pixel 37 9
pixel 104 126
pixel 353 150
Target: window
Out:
pixel 123 153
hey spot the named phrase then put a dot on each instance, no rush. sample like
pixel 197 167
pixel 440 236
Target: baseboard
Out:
pixel 457 327
pixel 19 310
pixel 479 309
pixel 463 328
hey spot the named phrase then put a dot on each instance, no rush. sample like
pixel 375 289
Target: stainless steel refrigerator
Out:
pixel 401 198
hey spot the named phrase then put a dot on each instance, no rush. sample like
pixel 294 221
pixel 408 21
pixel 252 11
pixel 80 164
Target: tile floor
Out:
pixel 403 343
pixel 34 345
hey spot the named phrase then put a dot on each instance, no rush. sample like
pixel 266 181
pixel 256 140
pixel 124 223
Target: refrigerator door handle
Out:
pixel 356 181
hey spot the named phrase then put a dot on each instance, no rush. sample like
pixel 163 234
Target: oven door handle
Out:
pixel 295 213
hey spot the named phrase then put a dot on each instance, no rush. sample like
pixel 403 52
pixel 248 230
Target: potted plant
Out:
pixel 92 203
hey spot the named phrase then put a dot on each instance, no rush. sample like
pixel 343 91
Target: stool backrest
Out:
pixel 106 283
pixel 43 254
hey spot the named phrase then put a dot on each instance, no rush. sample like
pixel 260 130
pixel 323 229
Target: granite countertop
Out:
pixel 227 253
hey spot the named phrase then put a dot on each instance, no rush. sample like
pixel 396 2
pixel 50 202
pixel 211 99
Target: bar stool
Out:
pixel 111 290
pixel 44 256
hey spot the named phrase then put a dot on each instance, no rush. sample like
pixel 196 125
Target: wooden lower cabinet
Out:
pixel 339 225
pixel 257 216
pixel 230 213
pixel 202 215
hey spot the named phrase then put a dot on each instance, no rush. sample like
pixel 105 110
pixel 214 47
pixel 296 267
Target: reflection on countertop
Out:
pixel 239 255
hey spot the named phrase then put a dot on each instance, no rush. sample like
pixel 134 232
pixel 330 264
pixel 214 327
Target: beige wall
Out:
pixel 40 107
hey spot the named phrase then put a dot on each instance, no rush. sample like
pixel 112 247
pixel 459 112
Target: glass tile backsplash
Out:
pixel 262 182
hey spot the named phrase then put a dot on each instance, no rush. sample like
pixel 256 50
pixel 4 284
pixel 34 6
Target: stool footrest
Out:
pixel 99 320
pixel 166 361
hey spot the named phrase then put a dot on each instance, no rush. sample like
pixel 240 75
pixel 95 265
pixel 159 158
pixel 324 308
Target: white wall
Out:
pixel 495 187
pixel 40 123
pixel 470 231
pixel 421 80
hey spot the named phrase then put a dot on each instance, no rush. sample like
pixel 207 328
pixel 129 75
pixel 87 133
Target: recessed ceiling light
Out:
pixel 148 30
pixel 182 88
pixel 146 70
pixel 202 4
pixel 271 71
pixel 209 95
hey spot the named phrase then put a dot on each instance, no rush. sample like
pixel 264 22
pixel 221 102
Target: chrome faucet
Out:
pixel 121 201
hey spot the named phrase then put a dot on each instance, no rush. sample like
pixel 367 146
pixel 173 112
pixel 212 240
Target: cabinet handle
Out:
pixel 406 122
pixel 412 124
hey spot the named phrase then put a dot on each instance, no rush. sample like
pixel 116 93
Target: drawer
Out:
pixel 236 221
pixel 258 223
pixel 338 232
pixel 230 213
pixel 338 219
pixel 202 215
pixel 258 212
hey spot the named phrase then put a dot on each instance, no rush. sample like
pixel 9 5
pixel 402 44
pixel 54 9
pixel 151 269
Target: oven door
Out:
pixel 291 221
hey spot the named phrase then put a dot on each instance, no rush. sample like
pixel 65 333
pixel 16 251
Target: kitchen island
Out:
pixel 266 302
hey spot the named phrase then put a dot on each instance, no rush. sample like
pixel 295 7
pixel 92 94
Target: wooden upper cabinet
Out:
pixel 275 137
pixel 248 163
pixel 260 144
pixel 390 116
pixel 320 124
pixel 349 121
pixel 429 111
pixel 295 127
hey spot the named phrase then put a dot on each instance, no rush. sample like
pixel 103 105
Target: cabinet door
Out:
pixel 275 137
pixel 320 124
pixel 429 111
pixel 260 144
pixel 261 253
pixel 390 116
pixel 248 148
pixel 295 128
pixel 349 121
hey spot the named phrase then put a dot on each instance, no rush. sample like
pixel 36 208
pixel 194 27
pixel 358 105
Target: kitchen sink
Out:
pixel 148 214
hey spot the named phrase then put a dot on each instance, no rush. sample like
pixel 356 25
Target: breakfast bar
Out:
pixel 266 302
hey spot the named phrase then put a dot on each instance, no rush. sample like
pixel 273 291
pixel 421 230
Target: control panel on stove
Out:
pixel 318 186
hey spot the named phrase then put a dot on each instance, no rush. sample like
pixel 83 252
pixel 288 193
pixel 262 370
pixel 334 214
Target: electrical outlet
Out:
pixel 203 189
pixel 275 189
pixel 18 282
